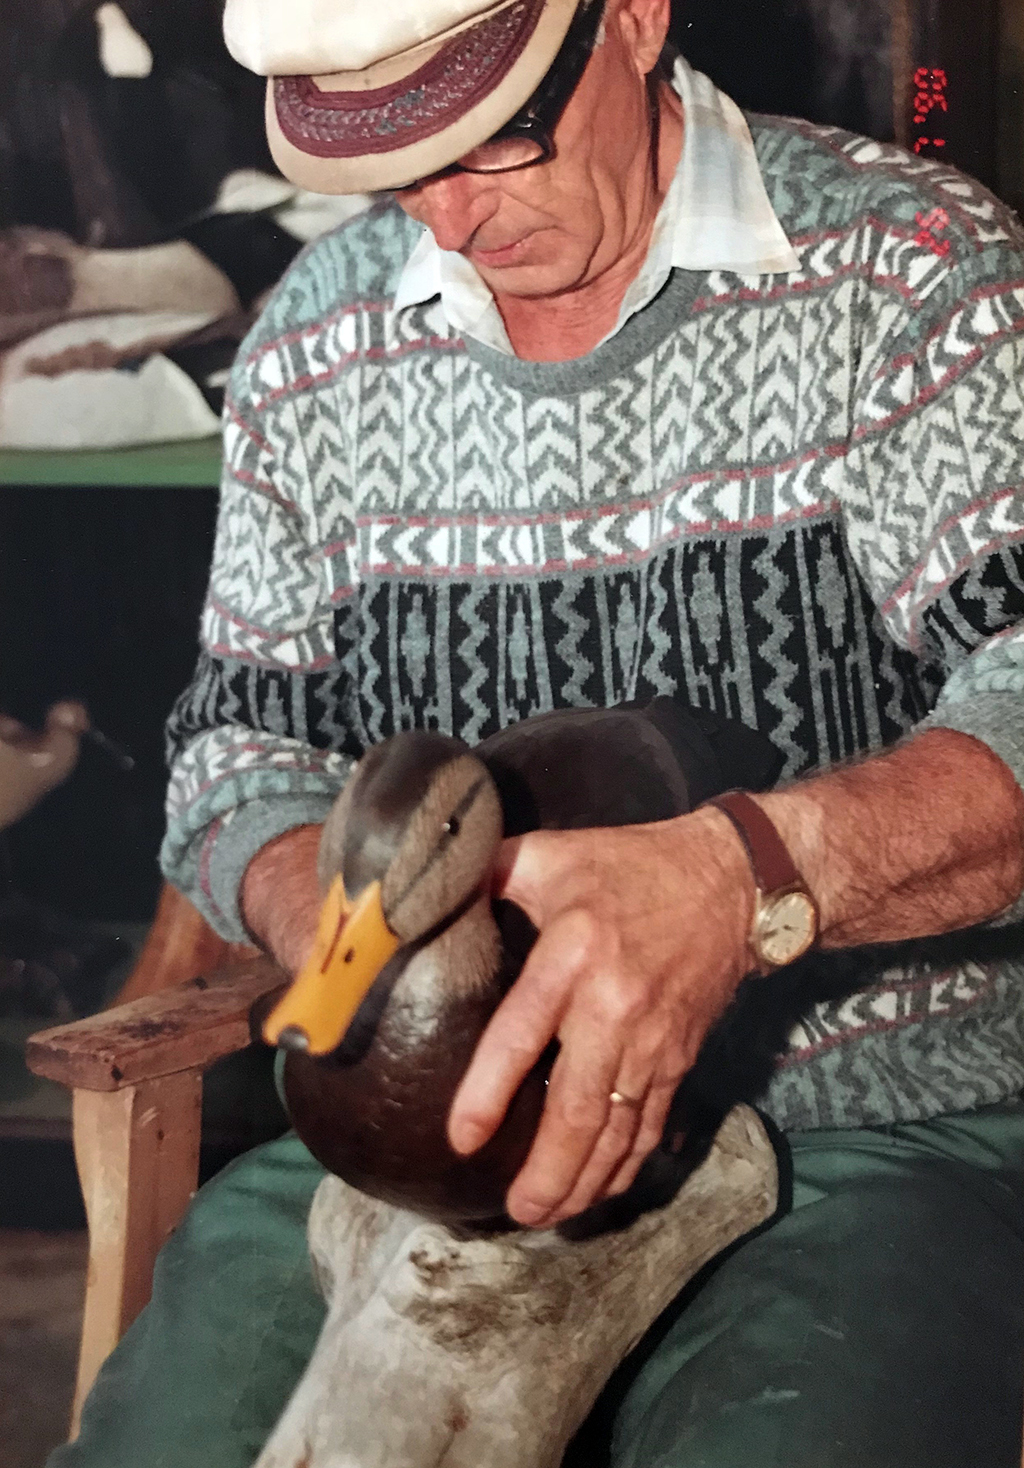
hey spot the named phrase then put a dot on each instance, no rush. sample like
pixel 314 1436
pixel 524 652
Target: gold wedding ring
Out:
pixel 618 1099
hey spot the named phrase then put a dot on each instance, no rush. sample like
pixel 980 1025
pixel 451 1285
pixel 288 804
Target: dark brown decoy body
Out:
pixel 420 822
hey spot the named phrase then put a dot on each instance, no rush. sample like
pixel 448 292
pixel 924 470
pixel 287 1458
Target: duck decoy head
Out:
pixel 411 840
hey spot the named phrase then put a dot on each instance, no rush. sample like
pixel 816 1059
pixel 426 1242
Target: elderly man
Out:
pixel 627 395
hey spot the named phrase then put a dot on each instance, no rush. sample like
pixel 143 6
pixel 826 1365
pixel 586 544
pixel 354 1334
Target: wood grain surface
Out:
pixel 187 1027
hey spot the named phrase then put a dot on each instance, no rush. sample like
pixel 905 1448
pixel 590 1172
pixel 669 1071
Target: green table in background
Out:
pixel 194 464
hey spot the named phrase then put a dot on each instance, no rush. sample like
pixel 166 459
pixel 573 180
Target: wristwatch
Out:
pixel 785 921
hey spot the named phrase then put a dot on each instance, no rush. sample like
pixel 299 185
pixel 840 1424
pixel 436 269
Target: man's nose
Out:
pixel 453 206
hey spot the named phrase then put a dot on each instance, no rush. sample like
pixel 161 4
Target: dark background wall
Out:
pixel 826 60
pixel 100 591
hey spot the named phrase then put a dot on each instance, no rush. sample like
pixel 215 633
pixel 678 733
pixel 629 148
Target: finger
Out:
pixel 44 758
pixel 618 1139
pixel 575 1112
pixel 577 1107
pixel 12 731
pixel 59 745
pixel 612 1146
pixel 522 1027
pixel 647 1136
pixel 69 715
pixel 30 766
pixel 623 1119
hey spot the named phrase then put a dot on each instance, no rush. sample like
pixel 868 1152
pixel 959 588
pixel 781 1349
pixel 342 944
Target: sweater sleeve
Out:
pixel 262 739
pixel 937 470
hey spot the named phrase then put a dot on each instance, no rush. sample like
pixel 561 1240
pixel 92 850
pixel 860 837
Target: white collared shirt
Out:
pixel 715 216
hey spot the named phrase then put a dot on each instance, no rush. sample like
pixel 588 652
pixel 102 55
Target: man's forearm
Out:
pixel 924 839
pixel 280 897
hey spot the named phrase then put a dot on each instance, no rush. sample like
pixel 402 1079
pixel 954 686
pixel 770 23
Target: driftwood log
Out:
pixel 441 1352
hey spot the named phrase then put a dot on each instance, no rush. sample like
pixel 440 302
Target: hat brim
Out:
pixel 347 135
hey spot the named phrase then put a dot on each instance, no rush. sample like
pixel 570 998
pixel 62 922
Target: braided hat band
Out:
pixel 434 82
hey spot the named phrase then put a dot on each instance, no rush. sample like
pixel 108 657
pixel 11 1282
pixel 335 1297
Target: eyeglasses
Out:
pixel 528 138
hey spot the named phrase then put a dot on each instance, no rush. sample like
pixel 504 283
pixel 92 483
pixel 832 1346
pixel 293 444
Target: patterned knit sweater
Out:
pixel 795 499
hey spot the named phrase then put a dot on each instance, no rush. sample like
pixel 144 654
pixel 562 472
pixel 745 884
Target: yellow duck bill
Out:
pixel 353 943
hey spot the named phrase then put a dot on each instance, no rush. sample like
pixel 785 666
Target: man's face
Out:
pixel 549 229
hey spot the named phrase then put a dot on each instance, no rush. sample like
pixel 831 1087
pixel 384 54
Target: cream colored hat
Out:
pixel 371 94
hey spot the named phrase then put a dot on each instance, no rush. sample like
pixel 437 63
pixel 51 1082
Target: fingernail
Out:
pixel 41 759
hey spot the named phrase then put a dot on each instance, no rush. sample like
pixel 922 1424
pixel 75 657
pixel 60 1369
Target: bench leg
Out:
pixel 137 1152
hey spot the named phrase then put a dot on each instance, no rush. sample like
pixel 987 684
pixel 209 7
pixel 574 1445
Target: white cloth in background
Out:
pixel 102 406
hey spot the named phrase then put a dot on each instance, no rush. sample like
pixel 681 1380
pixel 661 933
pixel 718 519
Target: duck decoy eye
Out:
pixel 452 826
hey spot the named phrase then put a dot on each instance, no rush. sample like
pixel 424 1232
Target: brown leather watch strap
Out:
pixel 772 864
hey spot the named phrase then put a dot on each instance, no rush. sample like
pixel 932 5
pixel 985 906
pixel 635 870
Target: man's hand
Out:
pixel 33 764
pixel 643 942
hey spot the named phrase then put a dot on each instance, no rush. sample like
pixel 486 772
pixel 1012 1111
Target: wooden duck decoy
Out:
pixel 411 957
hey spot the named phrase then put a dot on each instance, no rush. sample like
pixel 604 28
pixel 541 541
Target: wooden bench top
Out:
pixel 186 1027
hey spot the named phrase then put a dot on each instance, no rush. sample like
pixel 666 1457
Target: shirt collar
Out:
pixel 715 216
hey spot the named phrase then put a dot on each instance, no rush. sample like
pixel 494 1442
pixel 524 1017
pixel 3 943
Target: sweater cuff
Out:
pixel 232 843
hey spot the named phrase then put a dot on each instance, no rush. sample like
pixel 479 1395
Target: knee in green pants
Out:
pixel 878 1324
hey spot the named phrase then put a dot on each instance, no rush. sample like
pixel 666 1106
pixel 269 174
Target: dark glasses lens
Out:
pixel 504 155
pixel 527 138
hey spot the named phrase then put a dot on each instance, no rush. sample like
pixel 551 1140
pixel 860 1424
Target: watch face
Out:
pixel 786 928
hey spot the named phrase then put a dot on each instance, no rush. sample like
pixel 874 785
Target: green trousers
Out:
pixel 877 1323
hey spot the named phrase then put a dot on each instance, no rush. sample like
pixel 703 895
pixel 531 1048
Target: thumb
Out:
pixel 65 725
pixel 68 715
